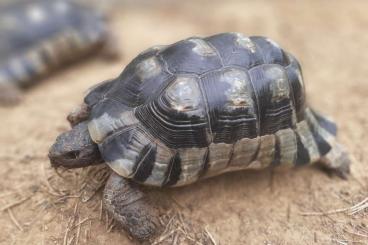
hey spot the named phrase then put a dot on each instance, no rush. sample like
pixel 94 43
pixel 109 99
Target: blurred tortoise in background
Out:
pixel 39 36
pixel 191 110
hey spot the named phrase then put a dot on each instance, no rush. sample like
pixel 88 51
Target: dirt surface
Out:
pixel 330 38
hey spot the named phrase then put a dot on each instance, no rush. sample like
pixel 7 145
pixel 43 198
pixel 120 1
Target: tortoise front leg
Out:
pixel 131 208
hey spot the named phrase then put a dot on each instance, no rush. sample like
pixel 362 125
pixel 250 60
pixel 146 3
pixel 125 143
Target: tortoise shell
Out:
pixel 205 106
pixel 37 36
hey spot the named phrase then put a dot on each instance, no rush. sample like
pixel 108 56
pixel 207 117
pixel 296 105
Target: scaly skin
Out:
pixel 131 208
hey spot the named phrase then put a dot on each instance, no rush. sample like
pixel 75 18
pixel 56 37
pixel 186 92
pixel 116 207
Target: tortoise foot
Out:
pixel 131 208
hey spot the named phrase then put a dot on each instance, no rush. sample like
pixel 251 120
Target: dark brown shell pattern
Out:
pixel 204 106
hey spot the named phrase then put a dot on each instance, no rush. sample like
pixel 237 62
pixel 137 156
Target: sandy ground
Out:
pixel 329 37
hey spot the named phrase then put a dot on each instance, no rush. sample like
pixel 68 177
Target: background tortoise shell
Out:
pixel 201 107
pixel 37 36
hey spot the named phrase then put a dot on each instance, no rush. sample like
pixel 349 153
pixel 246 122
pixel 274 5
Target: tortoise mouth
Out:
pixel 74 149
pixel 67 159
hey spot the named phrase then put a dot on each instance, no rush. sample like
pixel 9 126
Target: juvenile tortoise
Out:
pixel 41 35
pixel 194 109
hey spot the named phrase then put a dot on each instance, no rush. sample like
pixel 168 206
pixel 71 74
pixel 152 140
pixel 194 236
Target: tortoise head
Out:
pixel 74 149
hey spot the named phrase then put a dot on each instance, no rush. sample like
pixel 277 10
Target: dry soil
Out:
pixel 330 38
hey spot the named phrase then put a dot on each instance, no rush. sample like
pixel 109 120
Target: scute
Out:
pixel 272 53
pixel 125 150
pixel 193 55
pixel 141 80
pixel 183 94
pixel 177 117
pixel 107 117
pixel 295 77
pixel 236 49
pixel 277 111
pixel 231 105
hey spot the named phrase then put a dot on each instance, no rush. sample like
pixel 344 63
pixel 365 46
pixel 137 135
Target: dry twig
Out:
pixel 11 205
pixel 15 221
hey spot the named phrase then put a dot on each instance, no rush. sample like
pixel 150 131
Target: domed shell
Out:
pixel 201 107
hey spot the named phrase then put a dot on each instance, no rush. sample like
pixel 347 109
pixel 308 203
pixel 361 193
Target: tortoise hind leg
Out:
pixel 131 208
pixel 337 161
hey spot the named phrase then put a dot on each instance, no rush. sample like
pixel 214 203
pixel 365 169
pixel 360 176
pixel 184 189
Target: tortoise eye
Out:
pixel 72 155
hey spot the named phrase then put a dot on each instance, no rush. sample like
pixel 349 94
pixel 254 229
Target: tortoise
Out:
pixel 40 35
pixel 191 110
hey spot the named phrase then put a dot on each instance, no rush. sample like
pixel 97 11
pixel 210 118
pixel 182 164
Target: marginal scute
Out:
pixel 288 147
pixel 107 117
pixel 308 141
pixel 218 157
pixel 266 150
pixel 100 127
pixel 161 166
pixel 244 152
pixel 192 162
pixel 124 150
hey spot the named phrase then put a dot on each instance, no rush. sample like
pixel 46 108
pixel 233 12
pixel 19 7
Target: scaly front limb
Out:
pixel 131 208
